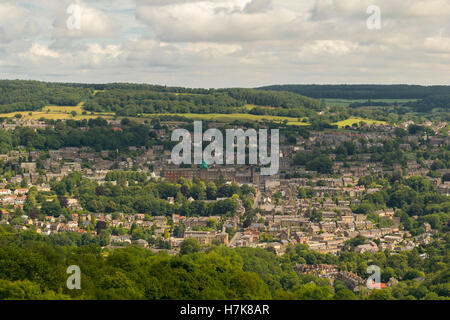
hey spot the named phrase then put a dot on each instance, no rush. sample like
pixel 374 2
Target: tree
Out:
pixel 211 223
pixel 189 246
pixel 24 183
pixel 60 188
pixel 51 208
pixel 311 291
pixel 381 294
pixel 178 231
pixel 345 294
pixel 27 290
pixel 100 226
pixel 316 216
pixel 211 191
pixel 63 201
pixel 321 164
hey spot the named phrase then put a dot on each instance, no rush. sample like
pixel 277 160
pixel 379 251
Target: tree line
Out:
pixel 34 267
pixel 363 91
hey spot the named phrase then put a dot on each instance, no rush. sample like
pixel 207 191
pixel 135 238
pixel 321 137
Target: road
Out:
pixel 257 199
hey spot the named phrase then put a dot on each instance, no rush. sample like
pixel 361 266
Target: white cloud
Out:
pixel 328 48
pixel 430 8
pixel 14 23
pixel 438 44
pixel 215 21
pixel 39 52
pixel 98 55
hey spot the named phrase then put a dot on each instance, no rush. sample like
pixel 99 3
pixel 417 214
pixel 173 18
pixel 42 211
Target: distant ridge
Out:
pixel 366 91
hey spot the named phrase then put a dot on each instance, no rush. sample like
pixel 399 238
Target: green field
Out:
pixel 55 113
pixel 232 117
pixel 249 107
pixel 64 113
pixel 351 121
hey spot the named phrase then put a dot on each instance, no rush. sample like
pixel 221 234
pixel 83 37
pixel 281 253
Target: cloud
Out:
pixel 39 50
pixel 226 42
pixel 256 6
pixel 438 45
pixel 328 47
pixel 215 21
pixel 14 23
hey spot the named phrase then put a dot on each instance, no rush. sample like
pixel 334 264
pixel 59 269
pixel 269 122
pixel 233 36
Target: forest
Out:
pixel 363 91
pixel 143 195
pixel 95 133
pixel 133 99
pixel 18 95
pixel 429 98
pixel 133 102
pixel 300 101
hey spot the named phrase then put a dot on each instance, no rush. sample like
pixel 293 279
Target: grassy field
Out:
pixel 55 113
pixel 64 113
pixel 249 107
pixel 63 109
pixel 347 102
pixel 351 121
pixel 232 117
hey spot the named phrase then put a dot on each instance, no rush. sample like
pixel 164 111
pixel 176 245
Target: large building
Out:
pixel 207 175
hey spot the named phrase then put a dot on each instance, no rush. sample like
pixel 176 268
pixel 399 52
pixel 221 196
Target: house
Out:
pixel 142 243
pixel 4 192
pixel 140 216
pixel 313 229
pixel 4 215
pixel 348 219
pixel 20 200
pixel 122 239
pixel 207 237
pixel 371 247
pixel 20 191
pixel 8 200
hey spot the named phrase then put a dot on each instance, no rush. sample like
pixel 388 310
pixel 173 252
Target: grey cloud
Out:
pixel 257 6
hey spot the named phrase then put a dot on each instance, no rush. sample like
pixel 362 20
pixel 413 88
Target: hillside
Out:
pixel 132 99
pixel 427 97
pixel 362 91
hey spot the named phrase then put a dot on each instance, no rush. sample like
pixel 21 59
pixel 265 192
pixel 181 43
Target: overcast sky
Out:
pixel 225 43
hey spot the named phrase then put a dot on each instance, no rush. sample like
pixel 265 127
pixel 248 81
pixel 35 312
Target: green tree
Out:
pixel 189 246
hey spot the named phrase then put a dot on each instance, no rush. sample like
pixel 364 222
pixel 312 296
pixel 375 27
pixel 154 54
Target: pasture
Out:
pixel 351 121
pixel 232 117
pixel 54 113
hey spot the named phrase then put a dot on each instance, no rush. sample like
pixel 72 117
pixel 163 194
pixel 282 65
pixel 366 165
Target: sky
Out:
pixel 226 43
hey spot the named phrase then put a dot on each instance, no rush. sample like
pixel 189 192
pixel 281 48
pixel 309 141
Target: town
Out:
pixel 345 190
pixel 296 206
